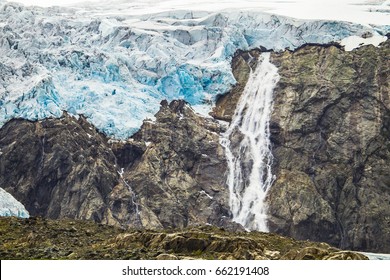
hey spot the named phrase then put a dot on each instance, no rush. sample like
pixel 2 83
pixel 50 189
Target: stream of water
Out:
pixel 250 160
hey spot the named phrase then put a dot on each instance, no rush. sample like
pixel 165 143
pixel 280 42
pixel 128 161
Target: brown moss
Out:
pixel 38 238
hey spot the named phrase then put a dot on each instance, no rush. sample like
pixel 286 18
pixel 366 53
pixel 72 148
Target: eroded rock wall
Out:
pixel 180 177
pixel 331 142
pixel 170 174
pixel 57 167
pixel 330 136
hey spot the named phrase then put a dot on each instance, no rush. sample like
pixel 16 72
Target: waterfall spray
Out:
pixel 250 160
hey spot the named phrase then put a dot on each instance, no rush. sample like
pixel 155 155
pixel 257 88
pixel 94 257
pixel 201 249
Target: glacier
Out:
pixel 9 206
pixel 115 65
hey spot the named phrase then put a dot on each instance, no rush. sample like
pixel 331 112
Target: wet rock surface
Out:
pixel 180 179
pixel 242 65
pixel 38 238
pixel 330 135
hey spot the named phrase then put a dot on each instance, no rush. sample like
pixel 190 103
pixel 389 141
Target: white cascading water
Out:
pixel 250 160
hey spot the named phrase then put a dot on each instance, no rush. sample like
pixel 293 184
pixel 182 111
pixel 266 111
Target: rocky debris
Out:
pixel 330 135
pixel 38 238
pixel 170 174
pixel 166 257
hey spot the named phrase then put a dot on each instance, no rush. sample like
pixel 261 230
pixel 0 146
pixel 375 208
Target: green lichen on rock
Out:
pixel 38 238
pixel 330 134
pixel 330 142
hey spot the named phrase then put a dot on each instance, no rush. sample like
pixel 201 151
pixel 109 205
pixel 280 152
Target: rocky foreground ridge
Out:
pixel 330 136
pixel 38 238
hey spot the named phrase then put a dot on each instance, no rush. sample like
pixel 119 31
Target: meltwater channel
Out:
pixel 249 161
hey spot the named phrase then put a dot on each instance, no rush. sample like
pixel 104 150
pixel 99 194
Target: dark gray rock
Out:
pixel 180 179
pixel 170 174
pixel 57 167
pixel 330 130
pixel 330 135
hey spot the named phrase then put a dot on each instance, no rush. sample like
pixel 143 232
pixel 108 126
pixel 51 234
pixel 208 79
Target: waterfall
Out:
pixel 249 156
pixel 137 222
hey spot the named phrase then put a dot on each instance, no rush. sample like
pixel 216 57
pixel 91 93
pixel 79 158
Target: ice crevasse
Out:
pixel 115 67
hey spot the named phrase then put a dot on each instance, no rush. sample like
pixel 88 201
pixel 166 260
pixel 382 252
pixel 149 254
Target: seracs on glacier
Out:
pixel 9 206
pixel 115 66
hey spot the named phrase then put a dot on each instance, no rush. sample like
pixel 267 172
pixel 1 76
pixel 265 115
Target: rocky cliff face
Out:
pixel 179 180
pixel 330 135
pixel 58 168
pixel 331 124
pixel 171 174
pixel 242 64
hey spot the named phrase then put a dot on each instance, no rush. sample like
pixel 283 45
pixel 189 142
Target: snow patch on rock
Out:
pixel 353 42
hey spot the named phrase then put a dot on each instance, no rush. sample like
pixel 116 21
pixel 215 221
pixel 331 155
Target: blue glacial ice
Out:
pixel 116 67
pixel 9 206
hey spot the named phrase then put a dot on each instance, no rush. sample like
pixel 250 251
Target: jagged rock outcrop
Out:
pixel 171 174
pixel 180 177
pixel 330 135
pixel 59 168
pixel 37 238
